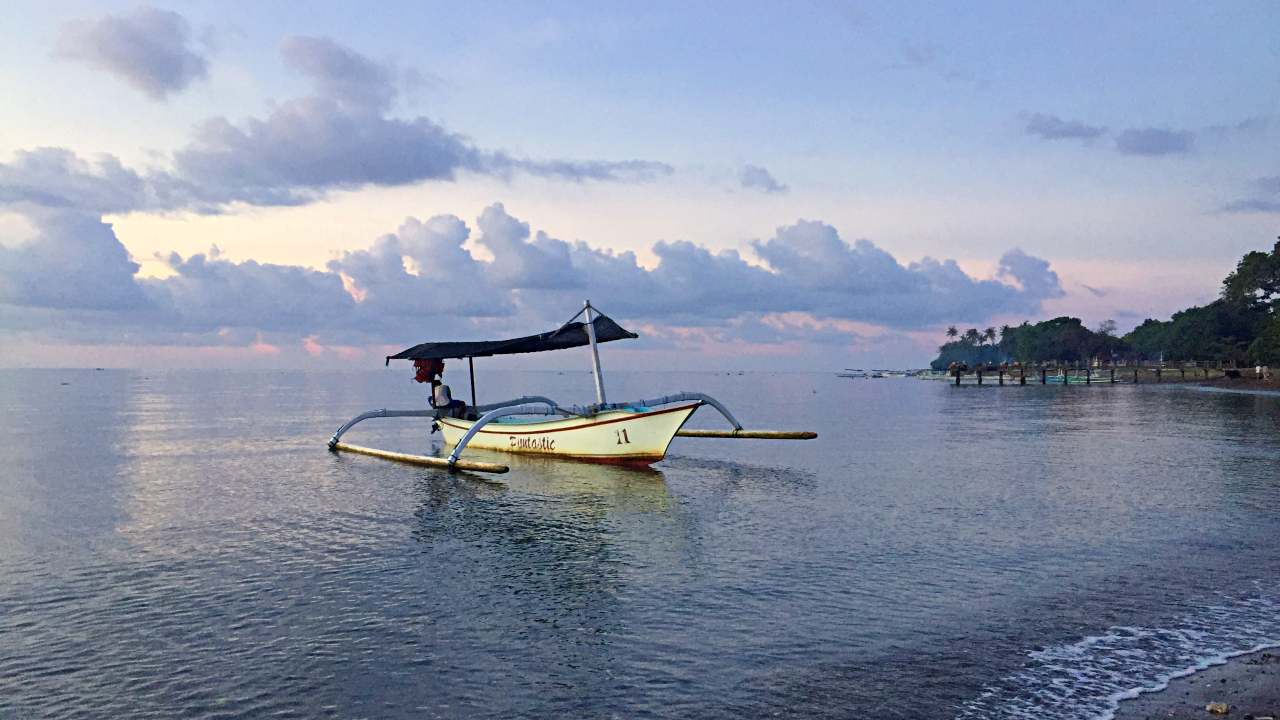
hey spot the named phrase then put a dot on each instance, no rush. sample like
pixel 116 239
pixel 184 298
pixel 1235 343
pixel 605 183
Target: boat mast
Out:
pixel 595 353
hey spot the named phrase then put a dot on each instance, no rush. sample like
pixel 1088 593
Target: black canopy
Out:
pixel 569 335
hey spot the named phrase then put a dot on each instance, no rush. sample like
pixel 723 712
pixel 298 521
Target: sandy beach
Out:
pixel 1249 685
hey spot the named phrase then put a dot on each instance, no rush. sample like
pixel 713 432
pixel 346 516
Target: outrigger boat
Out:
pixel 631 433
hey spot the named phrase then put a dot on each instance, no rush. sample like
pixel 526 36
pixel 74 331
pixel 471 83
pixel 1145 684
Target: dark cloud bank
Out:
pixel 74 281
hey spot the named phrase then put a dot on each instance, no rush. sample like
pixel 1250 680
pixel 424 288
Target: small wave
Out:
pixel 1088 679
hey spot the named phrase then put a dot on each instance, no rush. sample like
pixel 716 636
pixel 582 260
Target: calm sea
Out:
pixel 181 544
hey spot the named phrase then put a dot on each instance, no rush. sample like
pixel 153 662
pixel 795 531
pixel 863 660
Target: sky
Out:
pixel 809 185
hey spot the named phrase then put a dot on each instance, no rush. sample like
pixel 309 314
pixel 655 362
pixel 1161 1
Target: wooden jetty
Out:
pixel 1131 374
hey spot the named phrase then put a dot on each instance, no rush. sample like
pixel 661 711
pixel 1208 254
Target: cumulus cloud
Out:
pixel 518 262
pixel 754 177
pixel 75 262
pixel 1155 141
pixel 422 280
pixel 207 293
pixel 148 48
pixel 420 271
pixel 1051 127
pixel 824 275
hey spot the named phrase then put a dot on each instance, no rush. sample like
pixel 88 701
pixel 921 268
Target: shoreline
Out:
pixel 1242 385
pixel 1248 684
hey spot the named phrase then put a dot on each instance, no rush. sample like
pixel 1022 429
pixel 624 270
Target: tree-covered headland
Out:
pixel 1241 326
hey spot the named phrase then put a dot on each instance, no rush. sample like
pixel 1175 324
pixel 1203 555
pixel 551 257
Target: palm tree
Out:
pixel 952 332
pixel 972 336
pixel 989 335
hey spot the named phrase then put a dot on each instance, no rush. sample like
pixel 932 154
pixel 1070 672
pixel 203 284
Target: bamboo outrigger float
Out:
pixel 632 433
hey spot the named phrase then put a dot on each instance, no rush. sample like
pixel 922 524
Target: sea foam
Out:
pixel 1088 679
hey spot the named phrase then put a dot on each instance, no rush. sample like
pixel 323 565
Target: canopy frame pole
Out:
pixel 595 352
pixel 471 367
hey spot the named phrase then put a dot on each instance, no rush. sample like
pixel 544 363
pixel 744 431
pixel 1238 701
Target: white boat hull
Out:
pixel 630 436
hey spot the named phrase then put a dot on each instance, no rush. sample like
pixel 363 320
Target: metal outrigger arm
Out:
pixel 494 415
pixel 675 398
pixel 540 405
pixel 333 441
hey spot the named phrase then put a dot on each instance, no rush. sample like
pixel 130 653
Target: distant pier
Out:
pixel 1128 374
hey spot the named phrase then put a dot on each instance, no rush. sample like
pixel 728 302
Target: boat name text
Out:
pixel 536 444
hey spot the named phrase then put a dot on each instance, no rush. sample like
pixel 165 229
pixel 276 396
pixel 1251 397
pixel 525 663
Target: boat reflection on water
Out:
pixel 539 494
pixel 551 551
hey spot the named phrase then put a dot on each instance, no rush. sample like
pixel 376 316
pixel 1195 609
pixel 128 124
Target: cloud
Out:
pixel 58 178
pixel 928 58
pixel 1031 273
pixel 339 72
pixel 207 293
pixel 624 171
pixel 147 48
pixel 1249 126
pixel 917 55
pixel 543 263
pixel 829 277
pixel 1051 127
pixel 342 137
pixel 1155 141
pixel 423 280
pixel 1252 205
pixel 441 278
pixel 75 262
pixel 311 145
pixel 1265 199
pixel 754 177
pixel 1151 141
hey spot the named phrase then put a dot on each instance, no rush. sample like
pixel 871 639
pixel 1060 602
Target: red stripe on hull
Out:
pixel 630 416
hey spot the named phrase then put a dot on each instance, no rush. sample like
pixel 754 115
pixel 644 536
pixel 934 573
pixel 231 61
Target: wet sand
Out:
pixel 1249 685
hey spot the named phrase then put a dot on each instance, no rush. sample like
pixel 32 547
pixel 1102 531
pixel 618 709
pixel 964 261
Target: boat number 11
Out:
pixel 622 437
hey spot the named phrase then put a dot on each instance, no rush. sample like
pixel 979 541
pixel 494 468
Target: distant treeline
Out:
pixel 1241 326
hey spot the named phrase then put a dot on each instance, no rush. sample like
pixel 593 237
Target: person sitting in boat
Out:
pixel 441 397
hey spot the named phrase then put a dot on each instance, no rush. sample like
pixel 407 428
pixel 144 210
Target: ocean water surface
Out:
pixel 181 544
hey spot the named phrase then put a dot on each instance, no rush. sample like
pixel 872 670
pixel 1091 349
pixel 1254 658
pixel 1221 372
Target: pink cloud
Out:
pixel 262 347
